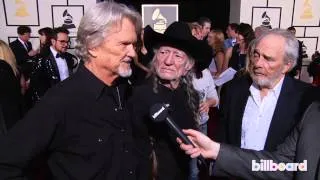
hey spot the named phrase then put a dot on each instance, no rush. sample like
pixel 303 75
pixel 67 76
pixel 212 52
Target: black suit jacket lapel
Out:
pixel 21 46
pixel 52 60
pixel 29 46
pixel 279 118
pixel 70 62
pixel 240 101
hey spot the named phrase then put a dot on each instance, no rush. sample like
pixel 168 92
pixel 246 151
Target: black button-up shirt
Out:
pixel 81 126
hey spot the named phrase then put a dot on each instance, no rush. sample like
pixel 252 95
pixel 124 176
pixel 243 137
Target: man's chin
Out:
pixel 125 73
pixel 262 83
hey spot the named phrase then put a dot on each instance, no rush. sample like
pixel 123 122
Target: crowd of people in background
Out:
pixel 86 115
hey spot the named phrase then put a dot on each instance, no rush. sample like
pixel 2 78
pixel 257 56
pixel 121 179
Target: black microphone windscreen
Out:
pixel 158 112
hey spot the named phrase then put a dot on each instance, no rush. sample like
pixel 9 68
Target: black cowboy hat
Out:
pixel 178 35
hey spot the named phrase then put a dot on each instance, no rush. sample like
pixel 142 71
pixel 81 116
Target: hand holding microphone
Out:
pixel 159 113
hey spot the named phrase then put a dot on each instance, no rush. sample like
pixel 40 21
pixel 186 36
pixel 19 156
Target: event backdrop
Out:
pixel 304 15
pixel 41 13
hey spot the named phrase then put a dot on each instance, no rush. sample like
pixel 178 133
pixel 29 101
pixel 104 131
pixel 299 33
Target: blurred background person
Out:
pixel 140 65
pixel 314 69
pixel 57 66
pixel 205 24
pixel 203 83
pixel 10 92
pixel 45 35
pixel 22 47
pixel 238 53
pixel 23 51
pixel 196 30
pixel 216 41
pixel 295 72
pixel 231 34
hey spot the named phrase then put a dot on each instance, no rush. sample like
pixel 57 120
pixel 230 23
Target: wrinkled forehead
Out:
pixel 172 49
pixel 271 45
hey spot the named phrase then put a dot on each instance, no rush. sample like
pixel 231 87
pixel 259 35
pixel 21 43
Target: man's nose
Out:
pixel 169 59
pixel 131 51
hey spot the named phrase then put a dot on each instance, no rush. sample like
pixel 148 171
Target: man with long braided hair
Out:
pixel 176 53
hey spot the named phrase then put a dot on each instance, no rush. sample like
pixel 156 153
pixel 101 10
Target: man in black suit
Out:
pixel 22 47
pixel 259 111
pixel 299 148
pixel 53 68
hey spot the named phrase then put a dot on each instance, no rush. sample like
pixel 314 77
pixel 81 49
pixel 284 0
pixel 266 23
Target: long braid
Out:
pixel 193 99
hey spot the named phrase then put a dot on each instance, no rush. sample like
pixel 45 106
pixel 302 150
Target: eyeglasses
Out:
pixel 63 41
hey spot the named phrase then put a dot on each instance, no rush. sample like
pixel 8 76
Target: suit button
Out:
pixel 123 130
pixel 131 172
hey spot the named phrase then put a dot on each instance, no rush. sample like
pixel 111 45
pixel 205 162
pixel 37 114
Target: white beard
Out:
pixel 266 82
pixel 124 72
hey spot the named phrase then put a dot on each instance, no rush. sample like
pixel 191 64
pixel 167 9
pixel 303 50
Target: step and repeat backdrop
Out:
pixel 304 15
pixel 41 13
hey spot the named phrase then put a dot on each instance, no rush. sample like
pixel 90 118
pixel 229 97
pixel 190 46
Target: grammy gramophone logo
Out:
pixel 160 24
pixel 67 20
pixel 266 20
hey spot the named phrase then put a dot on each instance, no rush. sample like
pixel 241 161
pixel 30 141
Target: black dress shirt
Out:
pixel 172 163
pixel 81 127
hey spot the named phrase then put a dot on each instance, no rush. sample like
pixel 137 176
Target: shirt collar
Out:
pixel 278 86
pixel 22 42
pixel 54 52
pixel 97 87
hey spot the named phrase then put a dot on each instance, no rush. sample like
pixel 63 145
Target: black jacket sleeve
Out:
pixel 27 139
pixel 233 161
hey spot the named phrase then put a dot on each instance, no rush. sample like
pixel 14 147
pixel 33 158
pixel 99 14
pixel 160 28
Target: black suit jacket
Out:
pixel 10 96
pixel 46 75
pixel 302 144
pixel 289 109
pixel 20 51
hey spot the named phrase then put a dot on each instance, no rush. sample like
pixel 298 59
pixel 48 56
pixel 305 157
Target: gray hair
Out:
pixel 291 49
pixel 192 94
pixel 97 22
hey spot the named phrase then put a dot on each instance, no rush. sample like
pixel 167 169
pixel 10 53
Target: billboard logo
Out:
pixel 269 165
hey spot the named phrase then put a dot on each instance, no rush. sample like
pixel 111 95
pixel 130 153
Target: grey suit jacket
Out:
pixel 302 144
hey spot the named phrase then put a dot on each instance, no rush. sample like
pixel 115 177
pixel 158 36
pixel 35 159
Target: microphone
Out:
pixel 159 113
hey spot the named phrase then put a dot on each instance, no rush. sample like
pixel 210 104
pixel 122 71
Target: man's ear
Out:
pixel 53 41
pixel 93 52
pixel 287 67
pixel 188 67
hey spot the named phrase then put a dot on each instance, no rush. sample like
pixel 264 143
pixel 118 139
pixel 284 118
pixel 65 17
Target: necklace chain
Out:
pixel 119 99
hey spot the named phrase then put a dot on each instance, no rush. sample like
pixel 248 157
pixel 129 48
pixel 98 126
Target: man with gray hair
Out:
pixel 81 125
pixel 259 110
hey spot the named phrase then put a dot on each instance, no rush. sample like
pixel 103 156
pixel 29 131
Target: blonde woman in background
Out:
pixel 216 41
pixel 10 93
pixel 7 55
